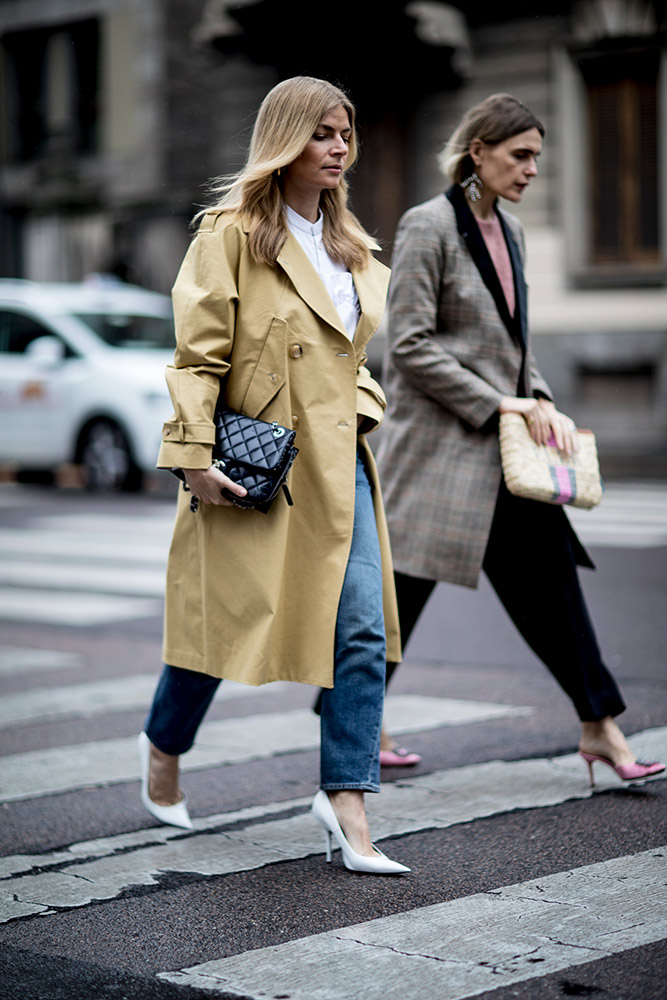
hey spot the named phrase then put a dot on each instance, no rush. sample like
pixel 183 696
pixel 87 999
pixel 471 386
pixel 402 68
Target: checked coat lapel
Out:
pixel 517 325
pixel 470 231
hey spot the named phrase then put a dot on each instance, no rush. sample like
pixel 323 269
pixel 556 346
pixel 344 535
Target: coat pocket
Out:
pixel 270 373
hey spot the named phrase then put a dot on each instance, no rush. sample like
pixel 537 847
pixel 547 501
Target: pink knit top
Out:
pixel 492 232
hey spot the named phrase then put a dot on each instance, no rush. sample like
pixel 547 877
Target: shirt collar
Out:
pixel 298 222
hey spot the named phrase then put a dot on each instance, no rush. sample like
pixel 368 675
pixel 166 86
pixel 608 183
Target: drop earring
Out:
pixel 472 186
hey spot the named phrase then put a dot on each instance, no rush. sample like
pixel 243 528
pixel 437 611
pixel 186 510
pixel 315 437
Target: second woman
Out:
pixel 459 355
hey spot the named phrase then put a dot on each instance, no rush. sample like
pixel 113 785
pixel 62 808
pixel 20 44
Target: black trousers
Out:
pixel 531 564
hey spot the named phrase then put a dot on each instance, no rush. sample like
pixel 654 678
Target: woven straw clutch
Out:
pixel 542 472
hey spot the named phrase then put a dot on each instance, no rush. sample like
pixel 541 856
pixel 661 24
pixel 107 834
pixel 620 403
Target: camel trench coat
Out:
pixel 453 352
pixel 253 597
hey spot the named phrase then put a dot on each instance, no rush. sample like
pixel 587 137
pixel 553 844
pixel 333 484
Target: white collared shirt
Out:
pixel 337 279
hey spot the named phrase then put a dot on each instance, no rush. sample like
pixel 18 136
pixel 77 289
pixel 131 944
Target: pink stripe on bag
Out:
pixel 564 482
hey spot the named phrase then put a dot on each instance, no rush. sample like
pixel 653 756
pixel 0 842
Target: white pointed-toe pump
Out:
pixel 176 815
pixel 379 864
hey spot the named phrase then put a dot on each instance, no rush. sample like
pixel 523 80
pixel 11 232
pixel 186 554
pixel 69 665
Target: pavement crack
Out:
pixel 581 947
pixel 500 894
pixel 397 951
pixel 83 878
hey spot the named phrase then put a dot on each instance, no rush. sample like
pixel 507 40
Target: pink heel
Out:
pixel 627 772
pixel 399 757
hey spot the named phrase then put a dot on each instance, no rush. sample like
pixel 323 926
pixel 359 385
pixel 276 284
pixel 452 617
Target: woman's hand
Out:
pixel 543 420
pixel 207 486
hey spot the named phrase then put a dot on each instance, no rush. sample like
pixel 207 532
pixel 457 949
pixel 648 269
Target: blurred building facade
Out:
pixel 116 112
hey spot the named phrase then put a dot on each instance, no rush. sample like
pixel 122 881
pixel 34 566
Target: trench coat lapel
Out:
pixel 371 284
pixel 470 231
pixel 307 282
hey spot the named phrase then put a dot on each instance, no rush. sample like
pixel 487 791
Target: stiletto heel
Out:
pixel 176 815
pixel 627 772
pixel 590 771
pixel 381 865
pixel 327 843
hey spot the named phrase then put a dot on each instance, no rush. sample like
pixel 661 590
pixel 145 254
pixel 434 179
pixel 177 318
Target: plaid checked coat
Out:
pixel 453 352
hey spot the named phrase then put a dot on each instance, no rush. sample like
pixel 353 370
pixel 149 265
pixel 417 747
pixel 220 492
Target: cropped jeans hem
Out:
pixel 337 787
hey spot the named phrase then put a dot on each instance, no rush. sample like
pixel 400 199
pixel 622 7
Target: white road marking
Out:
pixel 74 609
pixel 464 947
pixel 104 868
pixel 101 697
pixel 156 519
pixel 84 577
pixel 35 773
pixel 629 516
pixel 69 546
pixel 20 659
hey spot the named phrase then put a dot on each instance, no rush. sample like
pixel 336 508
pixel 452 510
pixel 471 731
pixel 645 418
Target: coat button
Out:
pixel 296 351
pixel 274 377
pixel 295 421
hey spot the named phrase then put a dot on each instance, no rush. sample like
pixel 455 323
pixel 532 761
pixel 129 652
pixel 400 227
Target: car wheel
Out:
pixel 106 458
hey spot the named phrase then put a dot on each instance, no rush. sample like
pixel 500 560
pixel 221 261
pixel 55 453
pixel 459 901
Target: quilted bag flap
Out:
pixel 256 443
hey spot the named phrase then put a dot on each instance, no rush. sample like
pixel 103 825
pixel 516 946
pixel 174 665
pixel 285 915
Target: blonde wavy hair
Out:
pixel 287 119
pixel 494 120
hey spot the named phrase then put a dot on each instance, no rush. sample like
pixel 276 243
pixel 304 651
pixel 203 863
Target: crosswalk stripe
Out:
pixel 628 517
pixel 72 545
pixel 76 609
pixel 105 868
pixel 102 697
pixel 31 774
pixel 156 519
pixel 22 659
pixel 107 579
pixel 464 947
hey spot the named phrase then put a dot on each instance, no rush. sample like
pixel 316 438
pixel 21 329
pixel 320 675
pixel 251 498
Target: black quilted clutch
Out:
pixel 255 453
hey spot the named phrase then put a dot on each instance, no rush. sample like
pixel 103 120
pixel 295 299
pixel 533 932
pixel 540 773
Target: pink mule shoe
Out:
pixel 398 757
pixel 627 772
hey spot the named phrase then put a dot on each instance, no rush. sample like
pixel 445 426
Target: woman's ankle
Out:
pixel 163 778
pixel 605 738
pixel 348 805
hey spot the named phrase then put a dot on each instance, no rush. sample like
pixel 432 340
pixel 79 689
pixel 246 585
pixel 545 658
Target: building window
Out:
pixel 614 187
pixel 622 91
pixel 52 86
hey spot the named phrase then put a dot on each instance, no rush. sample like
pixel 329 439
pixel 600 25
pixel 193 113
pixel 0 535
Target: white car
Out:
pixel 82 378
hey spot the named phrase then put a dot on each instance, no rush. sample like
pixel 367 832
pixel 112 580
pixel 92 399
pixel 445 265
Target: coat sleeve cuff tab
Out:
pixel 174 431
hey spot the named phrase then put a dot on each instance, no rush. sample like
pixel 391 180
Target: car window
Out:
pixel 17 331
pixel 125 330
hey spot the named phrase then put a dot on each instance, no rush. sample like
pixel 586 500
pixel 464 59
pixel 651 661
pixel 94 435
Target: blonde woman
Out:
pixel 458 355
pixel 275 302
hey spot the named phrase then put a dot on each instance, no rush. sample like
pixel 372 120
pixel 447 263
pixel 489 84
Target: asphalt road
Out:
pixel 524 882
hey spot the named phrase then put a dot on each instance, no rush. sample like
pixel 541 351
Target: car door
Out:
pixel 33 389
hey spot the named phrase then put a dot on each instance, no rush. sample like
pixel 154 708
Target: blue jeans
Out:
pixel 351 714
